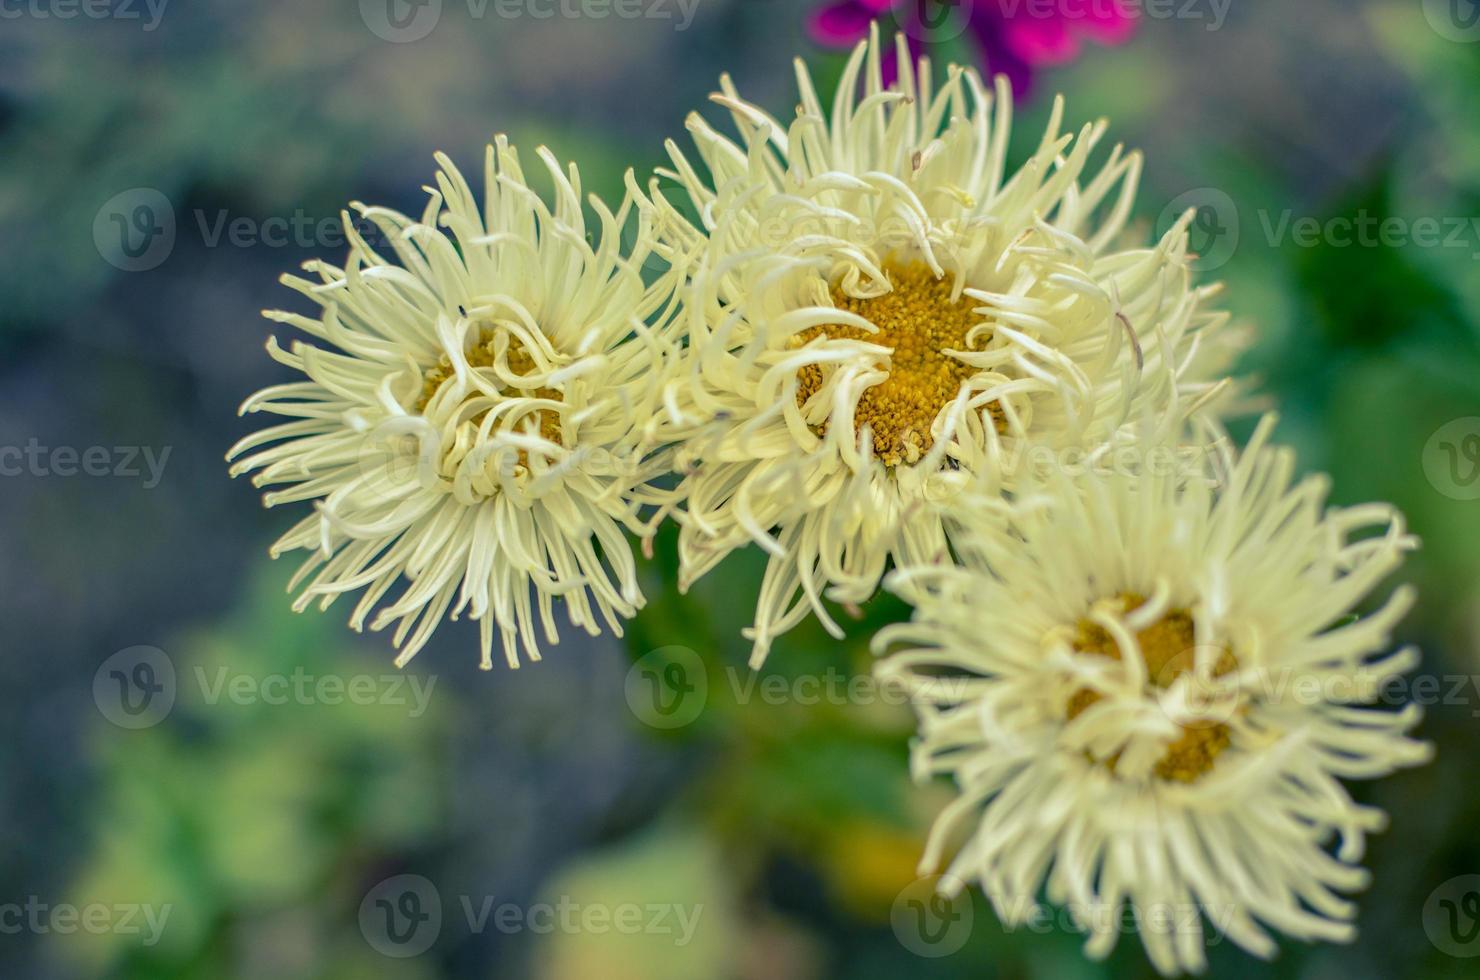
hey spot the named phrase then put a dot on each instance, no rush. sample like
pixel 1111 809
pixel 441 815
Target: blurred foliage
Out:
pixel 240 815
pixel 678 880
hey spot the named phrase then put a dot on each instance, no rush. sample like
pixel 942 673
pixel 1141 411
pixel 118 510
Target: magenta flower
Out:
pixel 1014 36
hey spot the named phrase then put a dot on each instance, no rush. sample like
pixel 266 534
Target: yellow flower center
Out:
pixel 1167 646
pixel 917 319
pixel 481 355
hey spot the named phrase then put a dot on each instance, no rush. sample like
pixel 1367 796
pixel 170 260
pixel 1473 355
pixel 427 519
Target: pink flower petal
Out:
pixel 1040 40
pixel 839 25
pixel 1109 24
pixel 997 57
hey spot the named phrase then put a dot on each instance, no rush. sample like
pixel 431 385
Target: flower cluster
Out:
pixel 862 343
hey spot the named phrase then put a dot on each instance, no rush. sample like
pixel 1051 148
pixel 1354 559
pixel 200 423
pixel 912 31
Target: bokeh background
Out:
pixel 197 784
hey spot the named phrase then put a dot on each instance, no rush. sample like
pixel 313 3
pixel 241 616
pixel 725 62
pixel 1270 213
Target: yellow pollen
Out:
pixel 1167 646
pixel 917 319
pixel 519 361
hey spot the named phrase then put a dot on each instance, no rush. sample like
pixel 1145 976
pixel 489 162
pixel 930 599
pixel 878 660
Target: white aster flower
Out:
pixel 470 421
pixel 880 314
pixel 1148 690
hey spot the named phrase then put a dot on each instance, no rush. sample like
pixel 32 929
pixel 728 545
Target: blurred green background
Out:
pixel 259 813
